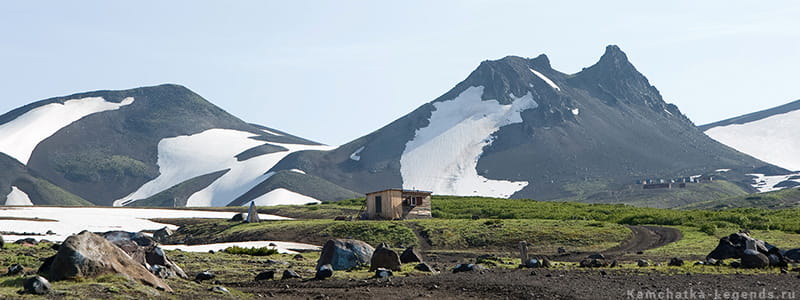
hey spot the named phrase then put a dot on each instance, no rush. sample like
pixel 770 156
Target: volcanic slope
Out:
pixel 518 128
pixel 118 147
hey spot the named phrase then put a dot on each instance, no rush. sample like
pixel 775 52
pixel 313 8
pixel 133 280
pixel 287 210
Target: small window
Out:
pixel 378 204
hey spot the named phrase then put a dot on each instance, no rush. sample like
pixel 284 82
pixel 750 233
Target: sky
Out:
pixel 333 71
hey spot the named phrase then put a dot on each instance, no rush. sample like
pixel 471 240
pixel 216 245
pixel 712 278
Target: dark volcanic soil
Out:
pixel 540 284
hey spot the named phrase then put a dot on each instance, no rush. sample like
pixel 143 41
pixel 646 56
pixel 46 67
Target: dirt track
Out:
pixel 642 238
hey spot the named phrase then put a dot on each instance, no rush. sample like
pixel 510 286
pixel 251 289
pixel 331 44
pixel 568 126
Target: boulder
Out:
pixel 467 268
pixel 753 259
pixel 239 217
pixel 383 273
pixel 533 263
pixel 592 263
pixel 596 256
pixel 386 258
pixel 642 263
pixel 614 264
pixel 205 275
pixel 89 255
pixel 162 235
pixel 424 267
pixel 561 250
pixel 345 254
pixel 26 241
pixel 411 254
pixel 37 285
pixel 2 242
pixel 266 275
pixel 793 254
pixel 15 269
pixel 289 274
pixel 733 246
pixel 252 214
pixel 146 251
pixel 220 290
pixel 325 271
pixel 675 262
pixel 546 263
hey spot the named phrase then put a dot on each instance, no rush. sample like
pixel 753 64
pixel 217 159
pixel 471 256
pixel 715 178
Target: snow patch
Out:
pixel 72 220
pixel 547 80
pixel 722 170
pixel 773 139
pixel 297 171
pixel 271 132
pixel 19 137
pixel 668 112
pixel 282 197
pixel 443 156
pixel 356 155
pixel 765 183
pixel 185 157
pixel 18 197
pixel 575 111
pixel 282 247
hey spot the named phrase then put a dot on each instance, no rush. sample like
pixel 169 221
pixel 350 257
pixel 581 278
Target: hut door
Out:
pixel 378 204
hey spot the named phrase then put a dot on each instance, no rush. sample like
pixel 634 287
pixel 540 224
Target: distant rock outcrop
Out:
pixel 90 255
pixel 345 254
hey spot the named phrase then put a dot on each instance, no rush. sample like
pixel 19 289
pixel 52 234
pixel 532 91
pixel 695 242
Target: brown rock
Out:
pixel 411 254
pixel 386 258
pixel 89 255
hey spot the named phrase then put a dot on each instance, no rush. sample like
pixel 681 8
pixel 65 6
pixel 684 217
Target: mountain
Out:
pixel 769 135
pixel 163 145
pixel 517 128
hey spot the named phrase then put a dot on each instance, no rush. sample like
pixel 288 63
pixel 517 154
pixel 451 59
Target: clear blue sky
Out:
pixel 332 71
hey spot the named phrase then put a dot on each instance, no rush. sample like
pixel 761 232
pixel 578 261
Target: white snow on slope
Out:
pixel 765 183
pixel 282 197
pixel 443 156
pixel 282 247
pixel 356 155
pixel 271 132
pixel 18 197
pixel 72 220
pixel 20 136
pixel 297 171
pixel 773 139
pixel 547 80
pixel 185 157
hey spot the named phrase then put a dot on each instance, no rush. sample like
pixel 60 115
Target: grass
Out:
pixel 696 244
pixel 254 251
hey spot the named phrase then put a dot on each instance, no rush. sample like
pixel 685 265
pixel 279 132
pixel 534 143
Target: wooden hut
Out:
pixel 396 204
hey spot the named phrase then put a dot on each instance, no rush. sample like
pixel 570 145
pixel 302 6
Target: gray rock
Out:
pixel 162 235
pixel 325 271
pixel 220 289
pixel 89 255
pixel 386 258
pixel 424 267
pixel 15 269
pixel 467 268
pixel 205 275
pixel 533 263
pixel 642 263
pixel 28 241
pixel 383 273
pixel 252 214
pixel 596 256
pixel 675 262
pixel 593 263
pixel 146 251
pixel 2 242
pixel 411 254
pixel 546 263
pixel 614 264
pixel 562 250
pixel 793 254
pixel 753 259
pixel 266 275
pixel 289 274
pixel 37 285
pixel 239 217
pixel 345 254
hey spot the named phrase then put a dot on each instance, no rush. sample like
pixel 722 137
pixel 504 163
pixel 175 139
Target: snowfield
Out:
pixel 20 136
pixel 772 139
pixel 357 154
pixel 767 183
pixel 282 196
pixel 185 157
pixel 282 247
pixel 443 156
pixel 72 220
pixel 18 197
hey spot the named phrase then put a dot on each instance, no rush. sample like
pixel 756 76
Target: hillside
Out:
pixel 518 128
